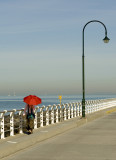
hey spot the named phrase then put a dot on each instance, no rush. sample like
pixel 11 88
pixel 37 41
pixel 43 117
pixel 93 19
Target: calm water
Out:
pixel 16 102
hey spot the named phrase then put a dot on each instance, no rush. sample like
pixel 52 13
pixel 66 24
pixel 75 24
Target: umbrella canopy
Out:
pixel 32 100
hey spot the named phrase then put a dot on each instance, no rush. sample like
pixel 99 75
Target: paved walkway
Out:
pixel 95 140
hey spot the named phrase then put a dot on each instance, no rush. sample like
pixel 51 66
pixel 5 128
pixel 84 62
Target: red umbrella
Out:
pixel 32 100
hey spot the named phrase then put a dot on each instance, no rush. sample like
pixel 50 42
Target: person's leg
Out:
pixel 31 124
pixel 27 124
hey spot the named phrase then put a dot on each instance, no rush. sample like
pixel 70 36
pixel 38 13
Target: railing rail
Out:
pixel 47 115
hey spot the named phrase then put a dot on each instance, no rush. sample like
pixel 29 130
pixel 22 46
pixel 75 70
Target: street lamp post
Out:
pixel 106 40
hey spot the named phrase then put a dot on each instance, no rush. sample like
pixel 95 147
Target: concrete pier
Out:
pixel 72 139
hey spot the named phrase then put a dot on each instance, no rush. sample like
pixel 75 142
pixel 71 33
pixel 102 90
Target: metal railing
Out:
pixel 13 121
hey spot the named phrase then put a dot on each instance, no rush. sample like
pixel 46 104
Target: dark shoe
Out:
pixel 29 131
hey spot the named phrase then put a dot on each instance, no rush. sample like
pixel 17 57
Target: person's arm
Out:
pixel 25 110
pixel 33 109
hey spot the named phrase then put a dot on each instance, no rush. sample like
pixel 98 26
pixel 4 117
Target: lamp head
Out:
pixel 106 39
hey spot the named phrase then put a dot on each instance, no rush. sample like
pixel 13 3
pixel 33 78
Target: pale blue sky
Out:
pixel 41 46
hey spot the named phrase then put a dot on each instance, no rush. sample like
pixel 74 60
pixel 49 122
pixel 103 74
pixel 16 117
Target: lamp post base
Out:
pixel 83 107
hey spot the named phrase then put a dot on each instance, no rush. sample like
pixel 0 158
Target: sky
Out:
pixel 41 47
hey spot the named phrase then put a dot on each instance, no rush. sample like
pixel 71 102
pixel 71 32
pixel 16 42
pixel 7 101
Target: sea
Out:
pixel 16 102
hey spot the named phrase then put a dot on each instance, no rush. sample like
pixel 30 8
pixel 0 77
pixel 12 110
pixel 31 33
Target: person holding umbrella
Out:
pixel 30 115
pixel 29 110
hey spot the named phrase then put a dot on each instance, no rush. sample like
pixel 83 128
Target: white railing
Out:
pixel 12 121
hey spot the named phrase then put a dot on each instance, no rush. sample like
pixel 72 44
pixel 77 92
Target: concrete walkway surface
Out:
pixel 92 141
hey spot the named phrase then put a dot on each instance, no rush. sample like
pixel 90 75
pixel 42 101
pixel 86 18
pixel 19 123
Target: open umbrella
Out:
pixel 32 100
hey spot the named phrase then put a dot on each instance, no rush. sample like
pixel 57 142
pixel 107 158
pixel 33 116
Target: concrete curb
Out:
pixel 20 142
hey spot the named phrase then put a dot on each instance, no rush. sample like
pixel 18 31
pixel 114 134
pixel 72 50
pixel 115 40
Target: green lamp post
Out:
pixel 106 40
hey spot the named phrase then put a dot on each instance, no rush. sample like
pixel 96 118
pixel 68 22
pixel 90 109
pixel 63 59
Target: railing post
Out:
pixel 35 120
pixel 68 106
pixel 64 112
pixel 78 109
pixel 12 122
pixel 104 104
pixel 52 114
pixel 63 108
pixel 47 115
pixel 21 121
pixel 57 114
pixel 99 103
pixel 2 124
pixel 60 106
pixel 111 103
pixel 41 117
pixel 71 104
pixel 93 106
pixel 114 103
pixel 87 107
pixel 74 104
pixel 96 105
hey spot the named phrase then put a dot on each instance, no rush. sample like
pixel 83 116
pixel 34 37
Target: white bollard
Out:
pixel 93 108
pixel 74 104
pixel 2 124
pixel 61 116
pixel 41 117
pixel 47 115
pixel 21 121
pixel 12 122
pixel 64 112
pixel 71 105
pixel 68 106
pixel 96 105
pixel 52 115
pixel 104 105
pixel 99 103
pixel 87 107
pixel 78 109
pixel 57 114
pixel 35 120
